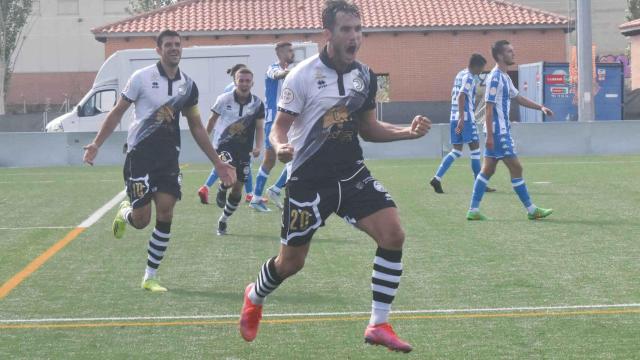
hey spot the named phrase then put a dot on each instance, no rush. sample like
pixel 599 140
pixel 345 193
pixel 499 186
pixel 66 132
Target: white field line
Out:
pixel 321 314
pixel 36 227
pixel 93 218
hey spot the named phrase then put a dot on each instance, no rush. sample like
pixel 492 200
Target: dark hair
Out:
pixel 244 70
pixel 282 44
pixel 477 60
pixel 498 48
pixel 165 33
pixel 333 7
pixel 232 70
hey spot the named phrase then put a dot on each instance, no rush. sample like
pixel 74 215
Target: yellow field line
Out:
pixel 37 262
pixel 323 319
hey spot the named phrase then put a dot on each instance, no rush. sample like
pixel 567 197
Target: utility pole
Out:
pixel 585 62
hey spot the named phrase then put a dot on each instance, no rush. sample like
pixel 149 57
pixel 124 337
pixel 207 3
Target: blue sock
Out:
pixel 520 188
pixel 475 162
pixel 479 187
pixel 212 178
pixel 446 163
pixel 248 186
pixel 282 180
pixel 261 180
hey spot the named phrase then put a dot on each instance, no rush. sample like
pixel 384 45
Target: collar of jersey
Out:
pixel 163 73
pixel 237 99
pixel 324 57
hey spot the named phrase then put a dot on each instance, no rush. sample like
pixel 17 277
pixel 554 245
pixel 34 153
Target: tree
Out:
pixel 13 17
pixel 141 6
pixel 633 11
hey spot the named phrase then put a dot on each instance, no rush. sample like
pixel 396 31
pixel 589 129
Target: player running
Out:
pixel 203 192
pixel 327 101
pixel 273 87
pixel 499 144
pixel 236 116
pixel 463 125
pixel 160 92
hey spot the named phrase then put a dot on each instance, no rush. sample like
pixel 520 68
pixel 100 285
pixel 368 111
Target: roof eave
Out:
pixel 103 36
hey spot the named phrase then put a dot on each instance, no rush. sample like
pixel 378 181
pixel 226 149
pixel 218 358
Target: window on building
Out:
pixel 115 7
pixel 68 7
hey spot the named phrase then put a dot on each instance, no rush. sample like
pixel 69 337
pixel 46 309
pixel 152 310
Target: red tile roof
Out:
pixel 630 28
pixel 273 16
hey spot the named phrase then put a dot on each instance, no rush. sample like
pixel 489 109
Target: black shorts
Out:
pixel 309 203
pixel 148 170
pixel 238 158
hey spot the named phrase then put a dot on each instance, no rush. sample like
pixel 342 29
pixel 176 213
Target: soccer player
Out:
pixel 273 86
pixel 463 125
pixel 203 192
pixel 499 143
pixel 327 100
pixel 236 116
pixel 160 92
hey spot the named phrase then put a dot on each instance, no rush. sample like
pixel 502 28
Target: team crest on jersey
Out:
pixel 287 96
pixel 467 86
pixel 493 91
pixel 358 84
pixel 246 170
pixel 336 115
pixel 378 186
pixel 182 90
pixel 225 157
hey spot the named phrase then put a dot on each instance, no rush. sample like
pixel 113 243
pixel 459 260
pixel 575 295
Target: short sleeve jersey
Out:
pixel 236 125
pixel 500 91
pixel 463 83
pixel 158 102
pixel 328 105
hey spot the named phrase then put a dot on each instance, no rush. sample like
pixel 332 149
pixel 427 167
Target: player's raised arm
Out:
pixel 113 119
pixel 372 130
pixel 278 136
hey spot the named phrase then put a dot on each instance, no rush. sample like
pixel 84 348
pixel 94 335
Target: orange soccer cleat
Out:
pixel 203 193
pixel 383 334
pixel 250 316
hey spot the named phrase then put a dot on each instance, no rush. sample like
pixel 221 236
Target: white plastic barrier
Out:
pixel 545 139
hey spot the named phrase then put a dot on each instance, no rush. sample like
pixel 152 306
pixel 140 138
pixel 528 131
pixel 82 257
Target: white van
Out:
pixel 207 65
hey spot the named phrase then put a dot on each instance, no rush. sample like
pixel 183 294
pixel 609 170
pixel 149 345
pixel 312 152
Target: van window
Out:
pixel 100 102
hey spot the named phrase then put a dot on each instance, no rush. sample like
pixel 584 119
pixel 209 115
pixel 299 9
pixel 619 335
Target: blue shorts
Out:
pixel 469 133
pixel 503 146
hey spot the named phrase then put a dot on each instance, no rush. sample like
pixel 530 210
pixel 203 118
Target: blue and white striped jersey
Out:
pixel 273 88
pixel 229 88
pixel 500 91
pixel 464 83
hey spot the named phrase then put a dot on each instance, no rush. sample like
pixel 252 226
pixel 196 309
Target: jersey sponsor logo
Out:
pixel 287 96
pixel 358 84
pixel 335 115
pixel 236 129
pixel 319 74
pixel 165 114
pixel 182 90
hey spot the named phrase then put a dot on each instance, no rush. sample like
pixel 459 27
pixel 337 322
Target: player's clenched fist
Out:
pixel 420 126
pixel 285 153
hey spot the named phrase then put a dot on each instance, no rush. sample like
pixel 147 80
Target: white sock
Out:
pixel 255 299
pixel 474 209
pixel 149 273
pixel 437 178
pixel 223 217
pixel 531 209
pixel 379 316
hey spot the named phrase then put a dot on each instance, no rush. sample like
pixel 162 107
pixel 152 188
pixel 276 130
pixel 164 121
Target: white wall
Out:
pixel 58 36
